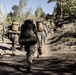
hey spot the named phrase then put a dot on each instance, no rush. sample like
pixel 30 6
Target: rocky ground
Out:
pixel 58 58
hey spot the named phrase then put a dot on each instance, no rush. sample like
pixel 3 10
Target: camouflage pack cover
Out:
pixel 15 26
pixel 40 27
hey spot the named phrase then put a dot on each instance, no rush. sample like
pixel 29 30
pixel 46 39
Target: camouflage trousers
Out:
pixel 51 31
pixel 41 36
pixel 14 42
pixel 30 50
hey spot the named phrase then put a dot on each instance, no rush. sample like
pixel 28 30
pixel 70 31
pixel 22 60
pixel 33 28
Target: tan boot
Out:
pixel 13 53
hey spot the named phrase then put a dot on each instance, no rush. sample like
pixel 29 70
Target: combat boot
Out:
pixel 13 53
pixel 39 51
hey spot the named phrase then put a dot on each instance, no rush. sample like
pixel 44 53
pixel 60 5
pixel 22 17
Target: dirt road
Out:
pixel 55 60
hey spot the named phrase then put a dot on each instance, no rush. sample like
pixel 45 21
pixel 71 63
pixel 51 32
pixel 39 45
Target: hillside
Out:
pixel 59 55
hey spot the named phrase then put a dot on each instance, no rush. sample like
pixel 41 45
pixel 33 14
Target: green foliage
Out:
pixel 18 13
pixel 39 12
pixel 22 6
pixel 67 8
pixel 15 8
pixel 2 15
pixel 43 15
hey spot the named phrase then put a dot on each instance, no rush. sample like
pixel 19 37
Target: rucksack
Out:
pixel 40 27
pixel 28 32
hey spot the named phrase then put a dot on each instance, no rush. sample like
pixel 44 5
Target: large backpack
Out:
pixel 28 32
pixel 40 27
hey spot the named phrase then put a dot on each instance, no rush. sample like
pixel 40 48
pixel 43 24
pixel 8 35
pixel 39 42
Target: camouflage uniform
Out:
pixel 30 49
pixel 30 46
pixel 1 34
pixel 41 37
pixel 48 26
pixel 52 26
pixel 41 33
pixel 14 43
pixel 13 36
pixel 45 31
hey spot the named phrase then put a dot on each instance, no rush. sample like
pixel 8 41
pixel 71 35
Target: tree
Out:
pixel 9 17
pixel 71 6
pixel 19 12
pixel 22 9
pixel 15 8
pixel 43 15
pixel 22 5
pixel 2 14
pixel 39 12
pixel 66 7
pixel 59 7
pixel 15 14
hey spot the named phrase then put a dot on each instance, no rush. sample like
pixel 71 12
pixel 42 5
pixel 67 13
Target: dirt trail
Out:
pixel 53 61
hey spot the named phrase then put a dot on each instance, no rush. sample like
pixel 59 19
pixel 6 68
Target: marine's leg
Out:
pixel 30 56
pixel 13 49
pixel 14 44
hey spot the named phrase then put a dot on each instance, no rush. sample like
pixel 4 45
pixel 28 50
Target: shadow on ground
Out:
pixel 4 48
pixel 41 66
